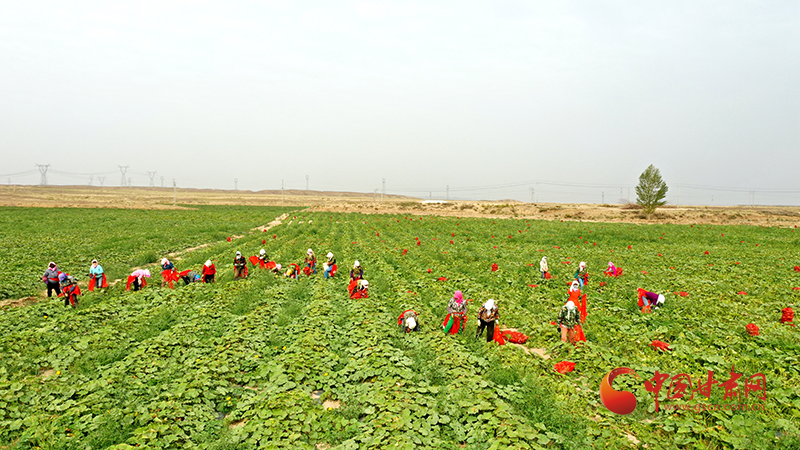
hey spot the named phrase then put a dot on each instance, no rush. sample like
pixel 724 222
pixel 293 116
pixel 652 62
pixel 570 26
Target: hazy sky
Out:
pixel 424 94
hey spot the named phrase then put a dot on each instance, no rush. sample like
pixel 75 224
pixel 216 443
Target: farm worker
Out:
pixel 137 278
pixel 209 271
pixel 648 300
pixel 168 273
pixel 277 269
pixel 576 297
pixel 357 272
pixel 329 266
pixel 311 263
pixel 487 315
pixel 361 290
pixel 70 289
pixel 612 269
pixel 456 314
pixel 190 276
pixel 543 267
pixel 239 266
pixel 50 278
pixel 293 270
pixel 581 274
pixel 262 256
pixel 408 320
pixel 97 278
pixel 568 322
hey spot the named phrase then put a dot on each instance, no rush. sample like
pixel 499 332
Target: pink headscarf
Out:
pixel 459 298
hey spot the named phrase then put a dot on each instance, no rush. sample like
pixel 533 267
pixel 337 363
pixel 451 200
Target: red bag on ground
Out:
pixel 254 260
pixel 169 276
pixel 307 271
pixel 270 265
pixel 515 337
pixel 752 329
pixel 660 345
pixel 547 276
pixel 494 267
pixel 498 337
pixel 565 366
pixel 333 270
pixel 787 315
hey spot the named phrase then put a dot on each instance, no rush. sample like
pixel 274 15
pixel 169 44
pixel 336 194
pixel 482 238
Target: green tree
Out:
pixel 651 191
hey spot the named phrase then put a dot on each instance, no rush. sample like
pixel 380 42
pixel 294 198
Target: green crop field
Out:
pixel 118 238
pixel 271 362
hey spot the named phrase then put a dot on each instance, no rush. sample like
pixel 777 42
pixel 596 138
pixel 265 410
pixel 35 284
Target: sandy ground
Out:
pixel 163 198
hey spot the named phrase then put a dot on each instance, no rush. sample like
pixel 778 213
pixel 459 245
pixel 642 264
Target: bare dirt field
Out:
pixel 163 198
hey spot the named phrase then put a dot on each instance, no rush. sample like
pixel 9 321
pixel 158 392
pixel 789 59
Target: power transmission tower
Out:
pixel 383 192
pixel 122 170
pixel 91 180
pixel 235 184
pixel 306 182
pixel 152 176
pixel 43 170
pixel 101 179
pixel 162 180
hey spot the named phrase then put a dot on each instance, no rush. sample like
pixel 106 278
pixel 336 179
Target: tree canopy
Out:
pixel 651 191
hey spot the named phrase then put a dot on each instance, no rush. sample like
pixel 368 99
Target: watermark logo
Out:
pixel 680 387
pixel 620 402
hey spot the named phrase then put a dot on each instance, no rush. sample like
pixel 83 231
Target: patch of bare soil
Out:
pixel 331 404
pixel 162 198
pixel 237 423
pixel 24 301
pixel 47 374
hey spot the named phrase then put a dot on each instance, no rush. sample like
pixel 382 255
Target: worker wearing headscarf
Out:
pixel 649 300
pixel 612 269
pixel 568 321
pixel 456 314
pixel 408 321
pixel 239 266
pixel 329 266
pixel 209 271
pixel 168 273
pixel 97 278
pixel 311 263
pixel 543 267
pixel 70 289
pixel 487 315
pixel 360 290
pixel 137 279
pixel 50 279
pixel 357 272
pixel 581 275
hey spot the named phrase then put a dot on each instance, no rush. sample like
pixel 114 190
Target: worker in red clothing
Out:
pixel 209 271
pixel 408 321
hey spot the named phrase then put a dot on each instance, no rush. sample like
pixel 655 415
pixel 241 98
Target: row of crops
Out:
pixel 270 362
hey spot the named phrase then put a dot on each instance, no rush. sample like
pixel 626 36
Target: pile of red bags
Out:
pixel 752 329
pixel 515 336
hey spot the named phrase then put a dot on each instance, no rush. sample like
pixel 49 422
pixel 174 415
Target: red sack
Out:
pixel 547 276
pixel 752 329
pixel 183 274
pixel 787 315
pixel 498 337
pixel 307 271
pixel 660 345
pixel 583 308
pixel 579 337
pixel 270 265
pixel 515 337
pixel 254 260
pixel 352 286
pixel 169 277
pixel 565 366
pixel 333 270
pixel 797 268
pixel 93 283
pixel 494 267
